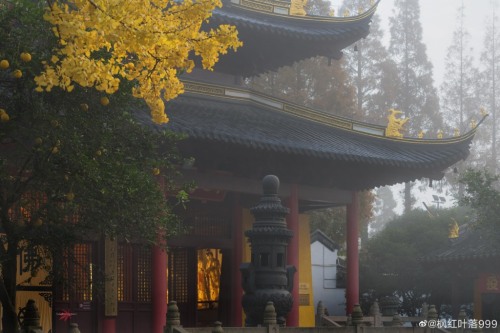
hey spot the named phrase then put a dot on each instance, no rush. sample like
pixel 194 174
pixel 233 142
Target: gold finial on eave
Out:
pixel 332 12
pixel 483 112
pixel 454 229
pixel 473 123
pixel 395 126
pixel 421 134
pixel 456 132
pixel 347 12
pixel 440 134
pixel 297 7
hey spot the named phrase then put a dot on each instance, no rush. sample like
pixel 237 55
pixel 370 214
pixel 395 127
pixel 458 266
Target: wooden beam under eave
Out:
pixel 226 182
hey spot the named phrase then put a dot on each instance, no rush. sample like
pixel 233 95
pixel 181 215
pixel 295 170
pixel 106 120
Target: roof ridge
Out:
pixel 319 235
pixel 273 7
pixel 315 115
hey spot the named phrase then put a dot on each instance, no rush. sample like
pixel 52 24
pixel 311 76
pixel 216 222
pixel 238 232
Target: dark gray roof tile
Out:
pixel 251 125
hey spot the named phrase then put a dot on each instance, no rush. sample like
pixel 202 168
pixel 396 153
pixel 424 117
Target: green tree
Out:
pixel 416 95
pixel 383 208
pixel 318 7
pixel 370 69
pixel 460 94
pixel 490 71
pixel 332 221
pixel 482 194
pixel 72 167
pixel 390 265
pixel 317 82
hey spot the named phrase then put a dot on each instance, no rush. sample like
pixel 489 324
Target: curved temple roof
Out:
pixel 331 150
pixel 272 40
pixel 472 244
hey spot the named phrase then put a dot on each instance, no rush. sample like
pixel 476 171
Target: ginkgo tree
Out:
pixel 149 42
pixel 76 162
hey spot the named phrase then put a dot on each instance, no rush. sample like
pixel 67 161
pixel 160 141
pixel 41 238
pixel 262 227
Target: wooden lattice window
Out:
pixel 124 272
pixel 28 205
pixel 82 272
pixel 178 272
pixel 77 270
pixel 144 272
pixel 134 270
pixel 207 225
pixel 31 209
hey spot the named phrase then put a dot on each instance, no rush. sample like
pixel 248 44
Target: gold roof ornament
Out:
pixel 483 112
pixel 332 12
pixel 454 229
pixel 361 9
pixel 297 7
pixel 347 12
pixel 421 134
pixel 372 2
pixel 473 123
pixel 395 126
pixel 456 132
pixel 440 134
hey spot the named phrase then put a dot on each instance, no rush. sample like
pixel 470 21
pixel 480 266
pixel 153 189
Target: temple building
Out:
pixel 239 136
pixel 472 259
pixel 328 274
pixel 236 137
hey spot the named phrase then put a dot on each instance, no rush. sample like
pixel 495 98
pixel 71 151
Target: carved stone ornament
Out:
pixel 267 278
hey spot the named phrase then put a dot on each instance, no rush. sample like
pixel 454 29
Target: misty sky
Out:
pixel 439 20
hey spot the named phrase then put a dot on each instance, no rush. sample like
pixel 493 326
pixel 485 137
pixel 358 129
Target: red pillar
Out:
pixel 237 260
pixel 293 253
pixel 109 325
pixel 159 289
pixel 159 279
pixel 352 292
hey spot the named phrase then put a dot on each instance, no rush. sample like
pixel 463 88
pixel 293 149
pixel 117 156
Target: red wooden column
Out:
pixel 109 325
pixel 352 286
pixel 159 281
pixel 159 289
pixel 293 253
pixel 237 293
